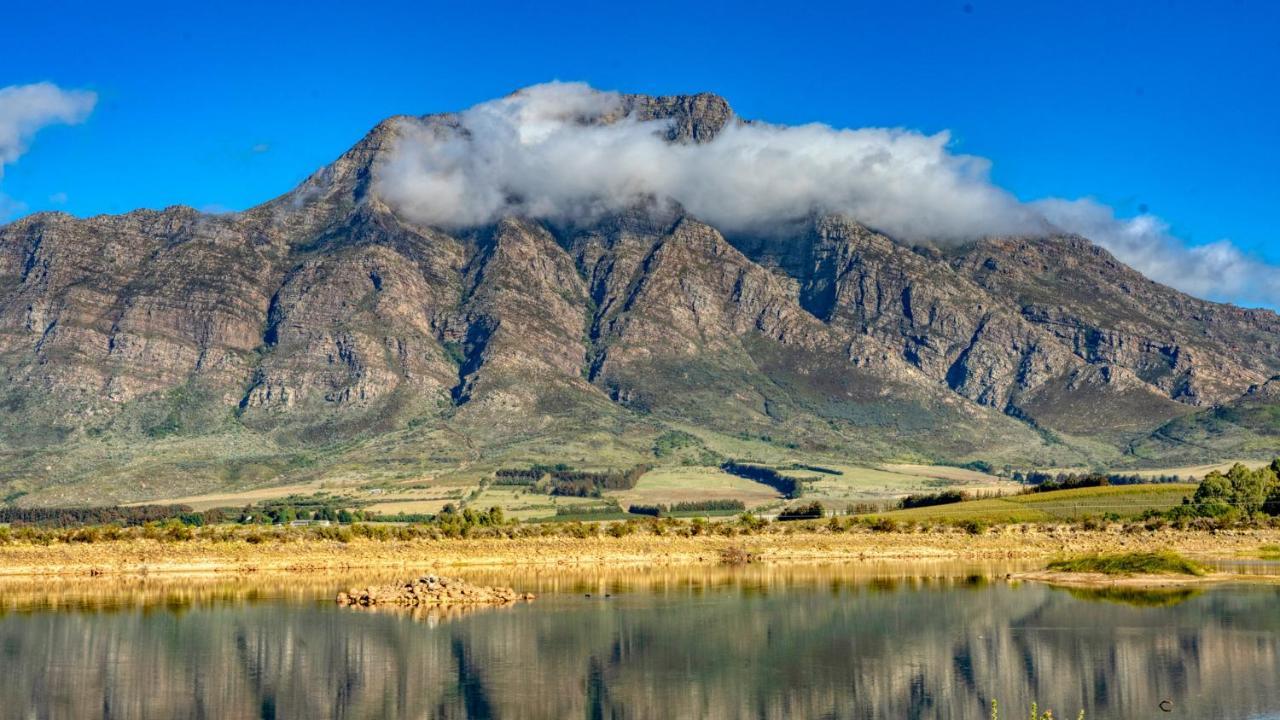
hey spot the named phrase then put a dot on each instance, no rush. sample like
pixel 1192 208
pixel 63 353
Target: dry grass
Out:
pixel 1197 472
pixel 411 507
pixel 241 498
pixel 943 472
pixel 813 543
pixel 868 484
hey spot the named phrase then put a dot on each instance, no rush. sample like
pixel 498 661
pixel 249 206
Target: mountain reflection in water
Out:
pixel 695 643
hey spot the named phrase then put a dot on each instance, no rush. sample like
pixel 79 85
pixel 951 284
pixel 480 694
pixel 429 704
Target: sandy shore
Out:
pixel 1157 581
pixel 141 557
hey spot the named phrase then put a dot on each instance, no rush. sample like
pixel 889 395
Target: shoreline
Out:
pixel 1159 581
pixel 142 557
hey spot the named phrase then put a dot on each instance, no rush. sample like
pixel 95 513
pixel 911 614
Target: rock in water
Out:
pixel 432 590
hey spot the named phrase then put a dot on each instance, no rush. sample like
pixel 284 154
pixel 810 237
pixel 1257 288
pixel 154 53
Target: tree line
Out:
pixel 691 506
pixel 106 515
pixel 564 480
pixel 580 483
pixel 790 487
pixel 1045 482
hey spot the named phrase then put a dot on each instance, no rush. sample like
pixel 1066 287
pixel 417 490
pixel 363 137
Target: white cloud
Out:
pixel 24 111
pixel 536 153
pixel 1219 270
pixel 530 153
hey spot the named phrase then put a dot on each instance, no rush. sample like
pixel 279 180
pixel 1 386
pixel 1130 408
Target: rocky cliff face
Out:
pixel 322 319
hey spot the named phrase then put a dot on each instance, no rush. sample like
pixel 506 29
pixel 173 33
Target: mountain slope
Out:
pixel 323 334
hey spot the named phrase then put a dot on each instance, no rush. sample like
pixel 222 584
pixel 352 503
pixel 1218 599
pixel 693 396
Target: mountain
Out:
pixel 325 334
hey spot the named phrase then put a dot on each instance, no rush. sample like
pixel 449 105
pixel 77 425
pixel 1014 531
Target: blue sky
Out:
pixel 1166 107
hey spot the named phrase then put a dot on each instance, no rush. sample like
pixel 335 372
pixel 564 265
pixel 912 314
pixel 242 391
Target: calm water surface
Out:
pixel 773 642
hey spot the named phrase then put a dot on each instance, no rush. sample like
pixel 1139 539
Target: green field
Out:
pixel 858 484
pixel 670 485
pixel 1123 500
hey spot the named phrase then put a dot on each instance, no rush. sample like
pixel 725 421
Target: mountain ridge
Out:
pixel 296 338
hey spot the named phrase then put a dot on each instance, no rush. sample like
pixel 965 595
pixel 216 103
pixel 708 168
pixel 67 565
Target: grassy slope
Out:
pixel 1123 500
pixel 1246 427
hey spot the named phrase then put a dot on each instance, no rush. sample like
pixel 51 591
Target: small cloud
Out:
pixel 10 208
pixel 1218 270
pixel 58 198
pixel 261 148
pixel 27 109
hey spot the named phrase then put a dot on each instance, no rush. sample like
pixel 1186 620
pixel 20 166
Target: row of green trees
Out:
pixel 790 487
pixel 581 483
pixel 107 515
pixel 945 497
pixel 690 506
pixel 1047 482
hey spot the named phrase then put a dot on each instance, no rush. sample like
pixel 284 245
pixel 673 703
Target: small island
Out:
pixel 1133 569
pixel 432 590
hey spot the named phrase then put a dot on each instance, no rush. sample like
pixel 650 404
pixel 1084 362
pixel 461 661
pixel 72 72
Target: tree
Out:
pixel 496 517
pixel 1248 490
pixel 1250 487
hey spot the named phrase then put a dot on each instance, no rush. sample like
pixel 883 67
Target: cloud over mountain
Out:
pixel 566 152
pixel 25 110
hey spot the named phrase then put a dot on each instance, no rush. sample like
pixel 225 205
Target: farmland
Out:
pixel 1118 500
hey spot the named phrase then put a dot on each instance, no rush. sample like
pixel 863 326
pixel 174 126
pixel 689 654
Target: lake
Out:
pixel 865 641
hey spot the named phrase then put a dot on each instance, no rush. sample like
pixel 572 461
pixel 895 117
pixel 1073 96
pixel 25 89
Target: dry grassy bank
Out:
pixel 144 556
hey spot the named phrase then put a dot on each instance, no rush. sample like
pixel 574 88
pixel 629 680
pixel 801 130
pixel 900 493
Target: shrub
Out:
pixel 736 555
pixel 752 522
pixel 621 529
pixel 884 524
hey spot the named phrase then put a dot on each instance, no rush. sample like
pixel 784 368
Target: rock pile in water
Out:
pixel 432 590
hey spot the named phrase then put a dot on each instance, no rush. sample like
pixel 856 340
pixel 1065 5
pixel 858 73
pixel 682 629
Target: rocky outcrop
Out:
pixel 432 590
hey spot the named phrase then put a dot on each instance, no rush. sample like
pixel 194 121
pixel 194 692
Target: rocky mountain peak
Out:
pixel 327 320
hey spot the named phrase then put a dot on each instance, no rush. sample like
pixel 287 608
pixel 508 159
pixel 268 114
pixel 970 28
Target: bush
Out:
pixel 884 524
pixel 736 555
pixel 621 529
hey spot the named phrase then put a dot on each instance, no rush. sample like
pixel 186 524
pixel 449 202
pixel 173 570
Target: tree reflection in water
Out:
pixel 760 643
